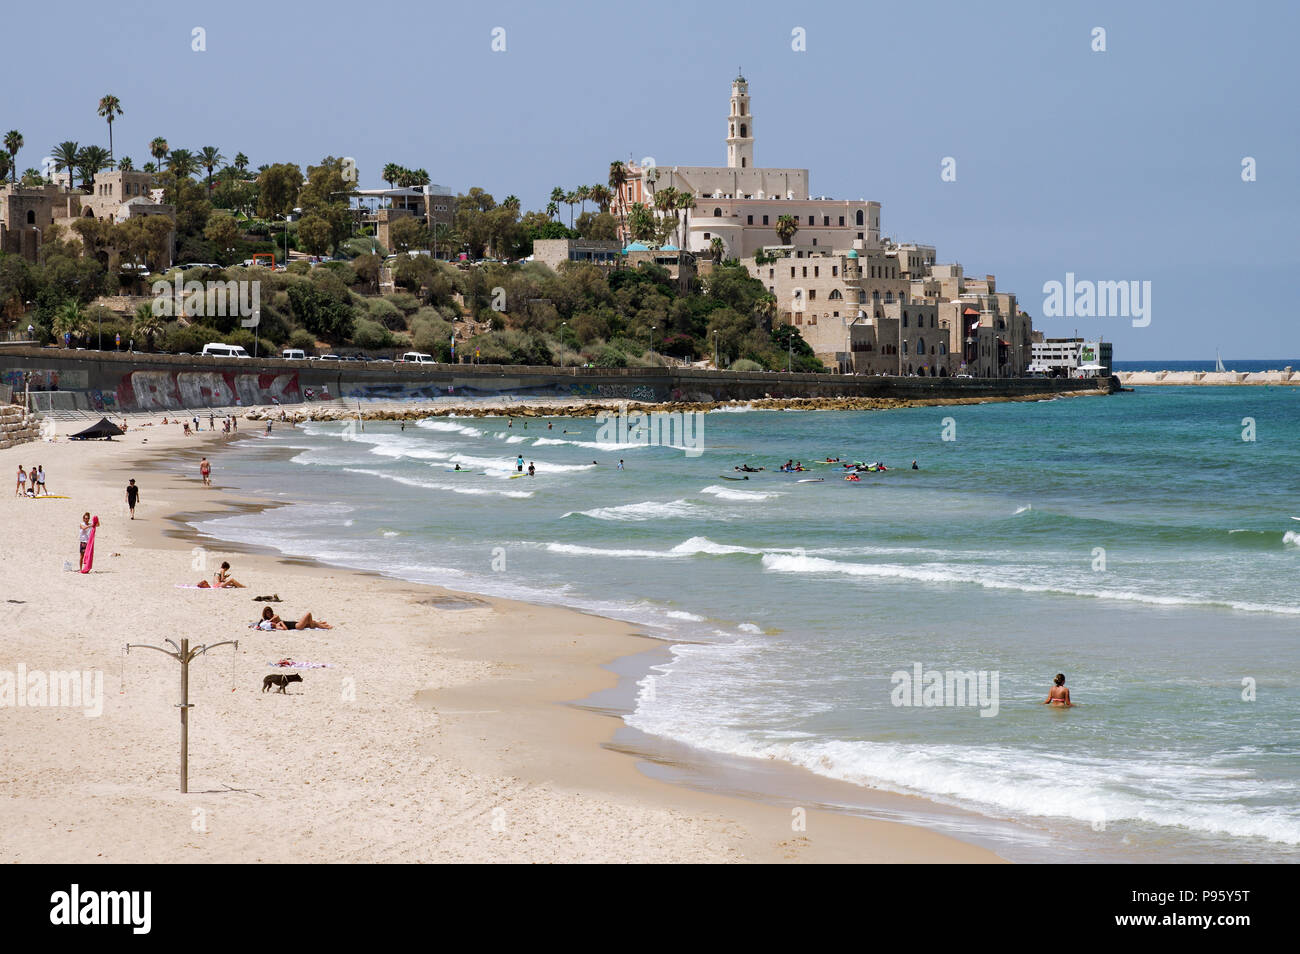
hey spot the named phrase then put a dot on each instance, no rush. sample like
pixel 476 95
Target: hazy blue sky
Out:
pixel 1122 165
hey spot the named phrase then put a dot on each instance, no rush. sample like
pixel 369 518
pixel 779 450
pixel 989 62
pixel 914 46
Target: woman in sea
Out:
pixel 1058 695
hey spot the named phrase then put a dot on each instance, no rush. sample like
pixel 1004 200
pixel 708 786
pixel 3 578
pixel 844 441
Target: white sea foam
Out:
pixel 437 485
pixel 594 445
pixel 683 615
pixel 574 549
pixel 948 574
pixel 1291 539
pixel 729 493
pixel 646 510
pixel 450 427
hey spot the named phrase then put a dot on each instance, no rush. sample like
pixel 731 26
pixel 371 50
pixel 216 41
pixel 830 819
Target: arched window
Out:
pixel 904 347
pixel 920 346
pixel 31 217
pixel 859 216
pixel 742 162
pixel 835 295
pixel 943 347
pixel 717 213
pixel 733 129
pixel 904 319
pixel 862 296
pixel 744 130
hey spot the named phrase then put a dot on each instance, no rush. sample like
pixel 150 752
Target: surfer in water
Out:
pixel 1058 695
pixel 519 464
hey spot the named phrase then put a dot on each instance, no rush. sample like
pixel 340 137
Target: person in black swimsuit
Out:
pixel 132 495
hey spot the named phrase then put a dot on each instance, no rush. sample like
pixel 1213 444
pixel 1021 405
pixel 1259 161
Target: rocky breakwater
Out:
pixel 1206 378
pixel 17 427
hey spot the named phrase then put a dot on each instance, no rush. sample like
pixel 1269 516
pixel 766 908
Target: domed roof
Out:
pixel 636 247
pixel 669 248
pixel 853 253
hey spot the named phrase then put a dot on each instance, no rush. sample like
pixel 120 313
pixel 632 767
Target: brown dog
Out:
pixel 280 679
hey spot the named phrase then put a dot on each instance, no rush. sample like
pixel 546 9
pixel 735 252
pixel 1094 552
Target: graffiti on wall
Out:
pixel 164 390
pixel 636 392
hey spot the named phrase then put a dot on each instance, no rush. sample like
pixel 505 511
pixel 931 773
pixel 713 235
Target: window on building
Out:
pixel 805 271
pixel 826 220
pixel 920 346
pixel 742 162
pixel 812 294
pixel 814 241
pixel 904 317
pixel 771 273
pixel 904 347
pixel 792 271
pixel 765 220
pixel 706 236
pixel 836 295
pixel 817 272
pixel 749 220
pixel 859 219
pixel 943 348
pixel 835 271
pixel 859 235
pixel 717 213
pixel 841 220
pixel 31 217
pixel 744 131
pixel 812 219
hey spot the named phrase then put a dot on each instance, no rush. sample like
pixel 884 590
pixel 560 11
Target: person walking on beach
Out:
pixel 212 421
pixel 205 471
pixel 268 427
pixel 1058 695
pixel 132 495
pixel 40 481
pixel 83 536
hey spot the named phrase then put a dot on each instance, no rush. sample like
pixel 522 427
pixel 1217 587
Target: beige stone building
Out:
pixel 26 213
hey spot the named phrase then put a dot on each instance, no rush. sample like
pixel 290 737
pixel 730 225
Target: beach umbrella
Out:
pixel 104 430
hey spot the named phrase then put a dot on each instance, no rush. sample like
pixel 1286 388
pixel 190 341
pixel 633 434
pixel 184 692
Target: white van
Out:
pixel 417 357
pixel 293 354
pixel 224 350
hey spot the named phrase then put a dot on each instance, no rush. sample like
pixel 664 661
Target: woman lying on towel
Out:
pixel 270 621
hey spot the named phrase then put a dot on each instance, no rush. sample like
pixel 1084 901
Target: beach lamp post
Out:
pixel 715 351
pixel 184 655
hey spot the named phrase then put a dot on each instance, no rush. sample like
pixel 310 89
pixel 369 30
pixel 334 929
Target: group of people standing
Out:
pixel 31 483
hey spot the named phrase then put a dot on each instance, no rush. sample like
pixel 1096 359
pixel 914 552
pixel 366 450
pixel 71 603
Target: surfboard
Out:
pixel 517 476
pixel 51 497
pixel 811 480
pixel 729 477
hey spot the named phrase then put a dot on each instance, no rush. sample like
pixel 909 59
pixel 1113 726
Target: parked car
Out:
pixel 329 357
pixel 417 357
pixel 293 354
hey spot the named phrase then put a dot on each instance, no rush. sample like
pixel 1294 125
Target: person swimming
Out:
pixel 1058 695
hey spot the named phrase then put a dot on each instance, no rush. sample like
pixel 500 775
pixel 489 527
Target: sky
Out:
pixel 1122 164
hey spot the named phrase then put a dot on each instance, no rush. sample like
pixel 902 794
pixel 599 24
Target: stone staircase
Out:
pixel 16 427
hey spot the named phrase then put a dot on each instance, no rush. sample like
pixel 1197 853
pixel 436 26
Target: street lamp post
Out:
pixel 715 352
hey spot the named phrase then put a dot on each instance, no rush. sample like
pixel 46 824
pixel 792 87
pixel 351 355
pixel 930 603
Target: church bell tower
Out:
pixel 740 127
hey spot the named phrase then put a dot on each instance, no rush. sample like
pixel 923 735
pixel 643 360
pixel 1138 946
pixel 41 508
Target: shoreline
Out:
pixel 479 703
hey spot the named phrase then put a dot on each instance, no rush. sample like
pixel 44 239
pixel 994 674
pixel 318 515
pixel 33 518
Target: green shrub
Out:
pixel 302 339
pixel 371 335
pixel 744 364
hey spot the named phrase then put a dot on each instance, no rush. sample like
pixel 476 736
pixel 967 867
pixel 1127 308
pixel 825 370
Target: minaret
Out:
pixel 740 127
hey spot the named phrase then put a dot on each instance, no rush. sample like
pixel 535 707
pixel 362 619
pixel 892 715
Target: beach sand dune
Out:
pixel 439 732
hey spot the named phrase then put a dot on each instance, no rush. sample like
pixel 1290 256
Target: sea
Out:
pixel 898 633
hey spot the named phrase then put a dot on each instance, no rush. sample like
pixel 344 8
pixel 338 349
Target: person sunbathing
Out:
pixel 271 621
pixel 221 581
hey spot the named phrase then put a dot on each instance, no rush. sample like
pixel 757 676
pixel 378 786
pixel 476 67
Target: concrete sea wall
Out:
pixel 59 379
pixel 1209 378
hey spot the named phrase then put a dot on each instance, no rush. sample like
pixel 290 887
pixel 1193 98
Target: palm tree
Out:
pixel 716 250
pixel 158 149
pixel 149 167
pixel 126 164
pixel 68 320
pixel 552 209
pixel 146 324
pixel 686 202
pixel 241 162
pixel 90 160
pixel 642 221
pixel 583 193
pixel 571 199
pixel 182 163
pixel 66 155
pixel 510 201
pixel 110 107
pixel 786 227
pixel 558 195
pixel 602 196
pixel 617 178
pixel 391 171
pixel 13 142
pixel 665 203
pixel 419 178
pixel 209 158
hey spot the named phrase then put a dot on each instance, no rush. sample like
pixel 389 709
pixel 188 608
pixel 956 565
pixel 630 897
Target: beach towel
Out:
pixel 291 664
pixel 88 558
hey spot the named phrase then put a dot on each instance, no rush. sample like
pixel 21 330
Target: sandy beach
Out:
pixel 443 728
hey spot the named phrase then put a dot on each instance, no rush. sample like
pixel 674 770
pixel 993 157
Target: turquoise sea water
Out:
pixel 1136 543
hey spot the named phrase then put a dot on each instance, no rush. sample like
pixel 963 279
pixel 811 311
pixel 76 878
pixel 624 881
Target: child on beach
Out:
pixel 132 495
pixel 84 535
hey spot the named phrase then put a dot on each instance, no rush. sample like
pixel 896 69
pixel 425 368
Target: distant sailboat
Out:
pixel 1218 362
